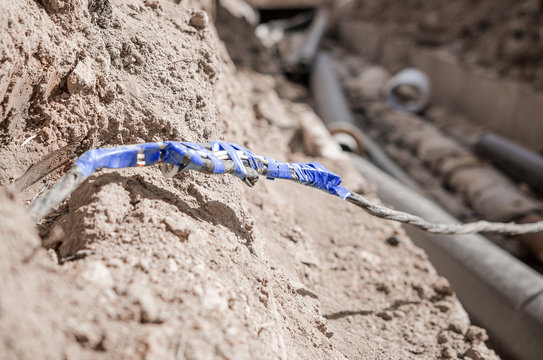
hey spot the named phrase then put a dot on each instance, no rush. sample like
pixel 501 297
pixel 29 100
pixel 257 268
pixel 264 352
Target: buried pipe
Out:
pixel 270 33
pixel 333 109
pixel 302 58
pixel 492 195
pixel 409 90
pixel 501 294
pixel 518 162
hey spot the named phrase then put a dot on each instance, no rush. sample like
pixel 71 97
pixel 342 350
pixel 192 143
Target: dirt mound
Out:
pixel 194 267
pixel 501 35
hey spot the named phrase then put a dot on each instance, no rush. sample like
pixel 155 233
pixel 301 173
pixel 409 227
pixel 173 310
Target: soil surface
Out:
pixel 504 35
pixel 134 265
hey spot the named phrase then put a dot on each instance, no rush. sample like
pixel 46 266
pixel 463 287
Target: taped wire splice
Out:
pixel 216 158
pixel 221 157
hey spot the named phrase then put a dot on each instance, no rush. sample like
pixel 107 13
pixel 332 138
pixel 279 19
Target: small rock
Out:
pixel 303 290
pixel 153 4
pixel 177 227
pixel 442 338
pixel 448 353
pixel 476 353
pixel 393 241
pixel 443 287
pixel 128 60
pixel 82 79
pixel 424 291
pixel 443 306
pixel 199 20
pixel 383 287
pixel 385 315
pixel 52 6
pixel 459 320
pixel 476 335
pixel 85 333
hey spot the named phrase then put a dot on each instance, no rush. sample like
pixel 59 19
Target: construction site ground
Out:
pixel 134 265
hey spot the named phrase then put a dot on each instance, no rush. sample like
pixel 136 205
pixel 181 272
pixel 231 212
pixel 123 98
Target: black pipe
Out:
pixel 499 292
pixel 518 162
pixel 332 107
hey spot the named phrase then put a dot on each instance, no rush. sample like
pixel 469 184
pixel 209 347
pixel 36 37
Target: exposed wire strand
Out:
pixel 437 228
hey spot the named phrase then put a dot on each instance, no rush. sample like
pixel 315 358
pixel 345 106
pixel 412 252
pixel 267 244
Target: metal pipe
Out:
pixel 332 107
pixel 501 294
pixel 515 160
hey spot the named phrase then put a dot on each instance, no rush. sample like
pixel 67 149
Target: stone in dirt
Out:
pixel 82 79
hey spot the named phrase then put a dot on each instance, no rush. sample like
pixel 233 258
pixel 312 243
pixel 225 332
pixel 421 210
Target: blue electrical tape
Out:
pixel 218 166
pixel 234 156
pixel 277 169
pixel 317 176
pixel 172 152
pixel 117 157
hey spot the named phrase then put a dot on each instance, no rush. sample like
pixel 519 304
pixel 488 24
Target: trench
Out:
pixel 348 75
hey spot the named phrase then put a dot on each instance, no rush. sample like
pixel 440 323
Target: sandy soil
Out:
pixel 195 267
pixel 505 36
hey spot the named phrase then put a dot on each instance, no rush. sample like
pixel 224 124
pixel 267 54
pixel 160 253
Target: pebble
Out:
pixel 458 319
pixel 393 241
pixel 475 353
pixel 82 79
pixel 459 322
pixel 199 20
pixel 385 315
pixel 476 335
pixel 85 333
pixel 443 306
pixel 303 290
pixel 442 338
pixel 178 227
pixel 443 287
pixel 448 353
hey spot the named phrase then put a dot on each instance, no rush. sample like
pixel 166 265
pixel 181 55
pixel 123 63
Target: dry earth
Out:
pixel 503 35
pixel 196 267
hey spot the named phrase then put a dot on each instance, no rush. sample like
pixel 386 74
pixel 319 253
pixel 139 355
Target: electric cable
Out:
pixel 221 157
